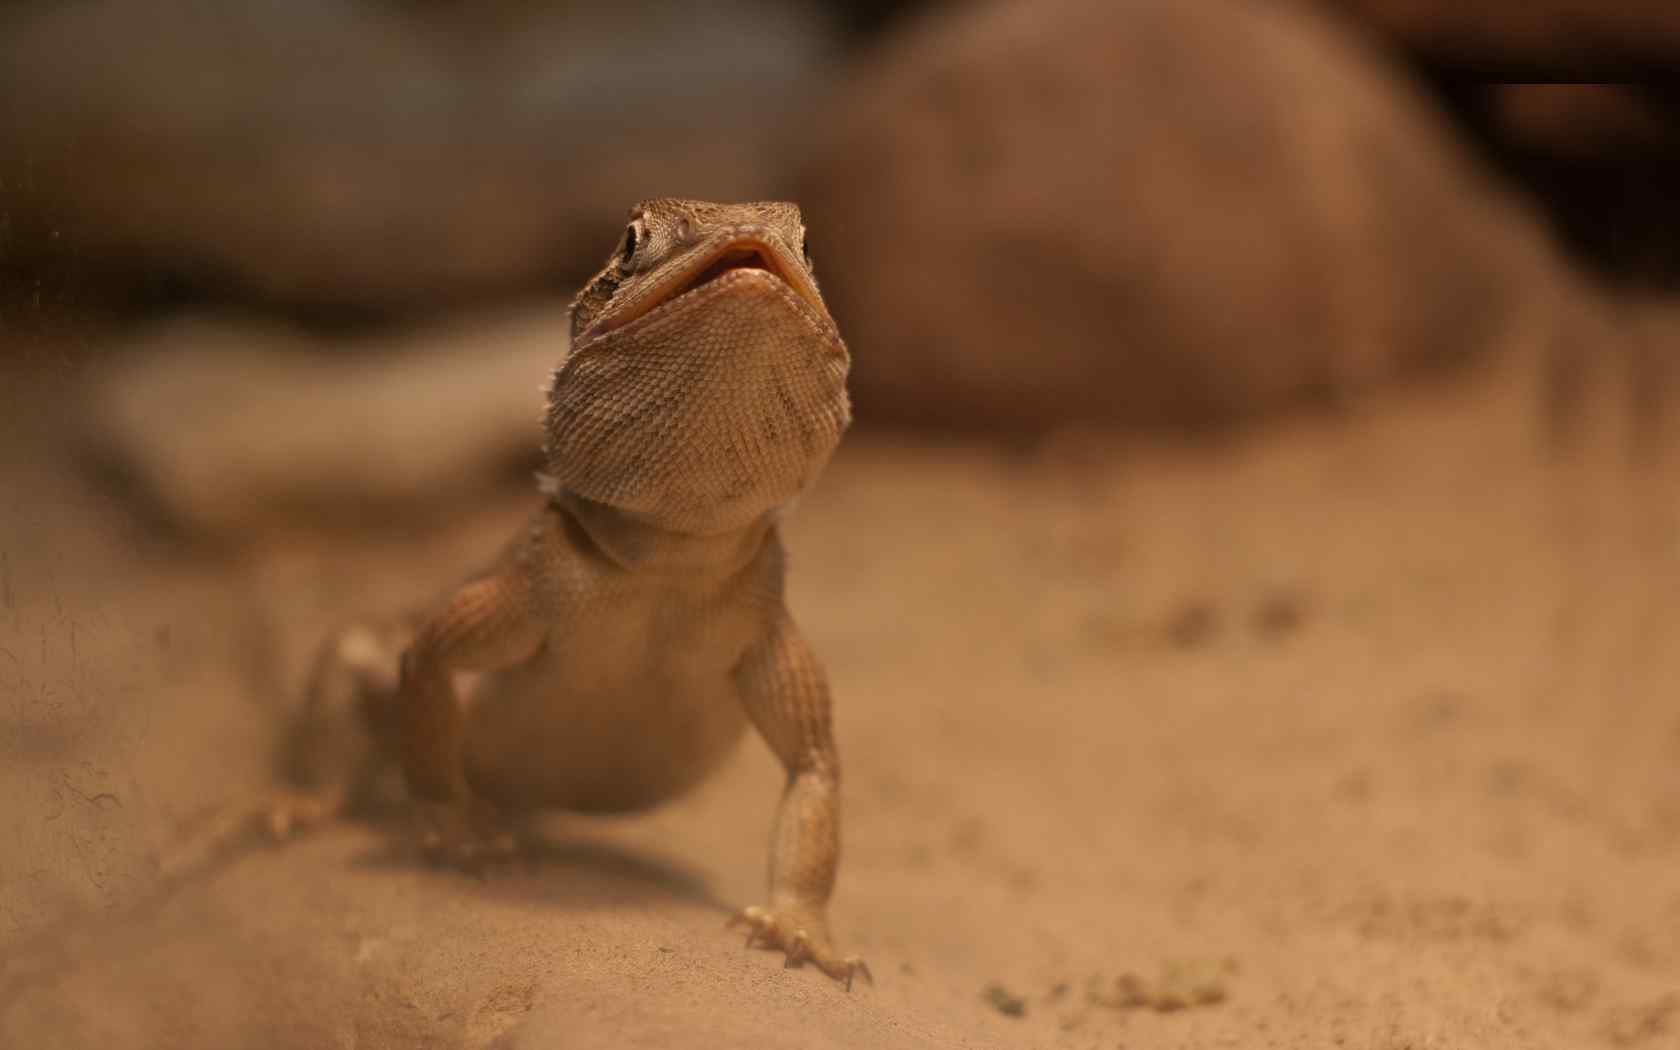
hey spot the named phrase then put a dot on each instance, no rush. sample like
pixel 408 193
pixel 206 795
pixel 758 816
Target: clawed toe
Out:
pixel 453 836
pixel 754 919
pixel 471 854
pixel 291 813
pixel 798 950
pixel 766 930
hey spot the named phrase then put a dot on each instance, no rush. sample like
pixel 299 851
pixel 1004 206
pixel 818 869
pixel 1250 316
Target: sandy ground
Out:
pixel 1360 734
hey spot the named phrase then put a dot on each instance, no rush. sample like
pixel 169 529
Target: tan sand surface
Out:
pixel 1362 733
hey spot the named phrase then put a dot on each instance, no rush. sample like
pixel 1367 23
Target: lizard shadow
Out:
pixel 569 871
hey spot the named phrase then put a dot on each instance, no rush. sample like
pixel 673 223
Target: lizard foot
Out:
pixel 463 835
pixel 288 813
pixel 803 938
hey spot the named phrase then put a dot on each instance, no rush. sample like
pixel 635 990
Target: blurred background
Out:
pixel 1249 584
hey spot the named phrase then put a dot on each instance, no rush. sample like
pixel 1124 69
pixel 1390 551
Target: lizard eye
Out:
pixel 632 240
pixel 805 250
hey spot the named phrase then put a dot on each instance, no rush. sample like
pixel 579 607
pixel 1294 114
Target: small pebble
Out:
pixel 1004 1001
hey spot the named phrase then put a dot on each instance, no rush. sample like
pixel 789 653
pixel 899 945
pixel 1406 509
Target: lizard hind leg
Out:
pixel 334 758
pixel 332 761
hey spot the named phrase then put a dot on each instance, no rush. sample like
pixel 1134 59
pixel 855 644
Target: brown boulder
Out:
pixel 1144 213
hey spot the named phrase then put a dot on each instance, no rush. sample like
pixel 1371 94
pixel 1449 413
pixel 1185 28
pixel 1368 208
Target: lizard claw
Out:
pixel 803 939
pixel 748 917
pixel 798 950
pixel 290 813
pixel 463 835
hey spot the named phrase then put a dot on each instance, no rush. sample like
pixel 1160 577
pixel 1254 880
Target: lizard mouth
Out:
pixel 735 257
pixel 741 254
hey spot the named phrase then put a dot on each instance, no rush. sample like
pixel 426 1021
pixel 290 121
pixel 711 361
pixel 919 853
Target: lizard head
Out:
pixel 706 385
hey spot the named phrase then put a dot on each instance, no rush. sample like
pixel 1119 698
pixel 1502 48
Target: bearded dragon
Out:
pixel 623 642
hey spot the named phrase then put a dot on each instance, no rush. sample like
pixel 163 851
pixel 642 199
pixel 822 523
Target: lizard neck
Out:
pixel 635 544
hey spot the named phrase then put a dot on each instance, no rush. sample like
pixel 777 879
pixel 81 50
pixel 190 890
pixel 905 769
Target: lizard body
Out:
pixel 626 640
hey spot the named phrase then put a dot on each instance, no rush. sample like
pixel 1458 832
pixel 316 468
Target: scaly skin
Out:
pixel 634 630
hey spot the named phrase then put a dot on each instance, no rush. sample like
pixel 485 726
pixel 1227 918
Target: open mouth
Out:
pixel 742 254
pixel 735 257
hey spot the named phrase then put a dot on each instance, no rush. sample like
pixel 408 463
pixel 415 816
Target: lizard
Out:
pixel 623 642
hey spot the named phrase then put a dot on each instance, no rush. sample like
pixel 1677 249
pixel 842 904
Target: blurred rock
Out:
pixel 227 429
pixel 863 19
pixel 1148 213
pixel 1545 30
pixel 336 155
pixel 1581 119
pixel 1600 158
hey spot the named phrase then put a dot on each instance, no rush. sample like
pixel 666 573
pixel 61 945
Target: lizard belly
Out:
pixel 605 719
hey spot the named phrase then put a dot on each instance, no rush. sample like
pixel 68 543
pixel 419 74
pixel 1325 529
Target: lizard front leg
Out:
pixel 487 625
pixel 786 697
